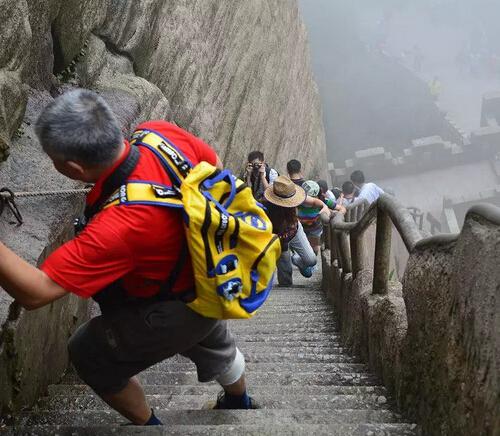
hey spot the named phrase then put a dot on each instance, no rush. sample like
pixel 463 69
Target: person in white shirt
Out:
pixel 369 191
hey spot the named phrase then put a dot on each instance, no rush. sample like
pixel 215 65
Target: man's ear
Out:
pixel 75 170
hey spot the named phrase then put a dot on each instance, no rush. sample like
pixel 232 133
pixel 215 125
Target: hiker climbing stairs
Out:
pixel 297 370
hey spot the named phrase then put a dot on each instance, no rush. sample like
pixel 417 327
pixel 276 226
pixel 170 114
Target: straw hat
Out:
pixel 283 192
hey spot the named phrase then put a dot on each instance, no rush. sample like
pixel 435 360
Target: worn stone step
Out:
pixel 291 316
pixel 295 429
pixel 214 388
pixel 187 367
pixel 259 321
pixel 288 337
pixel 274 357
pixel 217 417
pixel 297 307
pixel 277 328
pixel 291 347
pixel 299 357
pixel 286 356
pixel 257 378
pixel 287 319
pixel 293 301
pixel 251 367
pixel 188 402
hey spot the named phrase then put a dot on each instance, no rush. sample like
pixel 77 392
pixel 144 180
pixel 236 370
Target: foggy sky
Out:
pixel 342 31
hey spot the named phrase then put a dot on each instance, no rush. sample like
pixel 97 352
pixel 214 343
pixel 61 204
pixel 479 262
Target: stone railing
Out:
pixel 432 338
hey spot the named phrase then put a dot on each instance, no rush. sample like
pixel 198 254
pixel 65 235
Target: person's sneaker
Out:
pixel 222 403
pixel 307 272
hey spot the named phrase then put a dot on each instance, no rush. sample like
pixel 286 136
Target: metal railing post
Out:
pixel 382 253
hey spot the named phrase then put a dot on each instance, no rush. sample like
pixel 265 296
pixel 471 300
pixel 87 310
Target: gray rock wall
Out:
pixel 435 342
pixel 234 72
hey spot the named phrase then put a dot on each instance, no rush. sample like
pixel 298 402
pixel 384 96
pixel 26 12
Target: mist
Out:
pixel 410 97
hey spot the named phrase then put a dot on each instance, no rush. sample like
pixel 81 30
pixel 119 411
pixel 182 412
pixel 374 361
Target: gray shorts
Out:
pixel 109 349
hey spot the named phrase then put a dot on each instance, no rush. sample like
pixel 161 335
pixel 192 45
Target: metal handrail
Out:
pixel 347 237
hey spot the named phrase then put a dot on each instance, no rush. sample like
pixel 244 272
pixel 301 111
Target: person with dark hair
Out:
pixel 125 258
pixel 281 201
pixel 348 193
pixel 258 174
pixel 369 191
pixel 325 193
pixel 294 168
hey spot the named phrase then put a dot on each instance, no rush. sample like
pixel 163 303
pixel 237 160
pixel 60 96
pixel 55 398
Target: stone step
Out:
pixel 257 378
pixel 190 402
pixel 295 429
pixel 286 318
pixel 216 417
pixel 251 367
pixel 291 347
pixel 292 301
pixel 275 357
pixel 187 367
pixel 294 315
pixel 214 389
pixel 302 357
pixel 298 307
pixel 288 337
pixel 284 328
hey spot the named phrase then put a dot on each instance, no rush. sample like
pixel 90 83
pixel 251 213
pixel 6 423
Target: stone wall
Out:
pixel 234 72
pixel 434 340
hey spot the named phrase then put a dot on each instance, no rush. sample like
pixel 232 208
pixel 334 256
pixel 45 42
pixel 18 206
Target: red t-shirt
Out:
pixel 138 244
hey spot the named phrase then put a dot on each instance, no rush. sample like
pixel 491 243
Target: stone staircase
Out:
pixel 296 368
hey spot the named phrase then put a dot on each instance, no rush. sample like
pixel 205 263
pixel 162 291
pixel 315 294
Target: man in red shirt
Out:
pixel 123 258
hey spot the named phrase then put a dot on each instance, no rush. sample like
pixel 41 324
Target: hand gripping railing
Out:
pixel 347 242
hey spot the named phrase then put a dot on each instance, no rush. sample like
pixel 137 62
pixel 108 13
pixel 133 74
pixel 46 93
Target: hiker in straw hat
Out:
pixel 282 199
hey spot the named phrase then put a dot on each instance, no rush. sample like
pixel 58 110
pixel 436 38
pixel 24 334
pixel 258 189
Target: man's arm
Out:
pixel 316 202
pixel 28 285
pixel 262 175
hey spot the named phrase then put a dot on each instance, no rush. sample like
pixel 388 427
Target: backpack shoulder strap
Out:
pixel 173 160
pixel 114 181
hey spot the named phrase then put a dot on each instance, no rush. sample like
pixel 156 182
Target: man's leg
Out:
pixel 91 355
pixel 218 358
pixel 304 254
pixel 285 277
pixel 130 402
pixel 108 352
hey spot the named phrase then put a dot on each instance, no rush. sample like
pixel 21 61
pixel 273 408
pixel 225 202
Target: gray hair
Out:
pixel 80 126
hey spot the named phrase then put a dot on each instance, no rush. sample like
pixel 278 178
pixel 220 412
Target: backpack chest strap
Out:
pixel 145 193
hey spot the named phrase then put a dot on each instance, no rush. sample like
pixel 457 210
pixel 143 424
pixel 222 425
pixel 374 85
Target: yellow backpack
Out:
pixel 229 236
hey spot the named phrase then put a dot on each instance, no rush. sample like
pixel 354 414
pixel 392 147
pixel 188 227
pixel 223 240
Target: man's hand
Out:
pixel 325 210
pixel 29 286
pixel 340 208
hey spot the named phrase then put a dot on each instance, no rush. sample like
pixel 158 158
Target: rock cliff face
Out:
pixel 234 72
